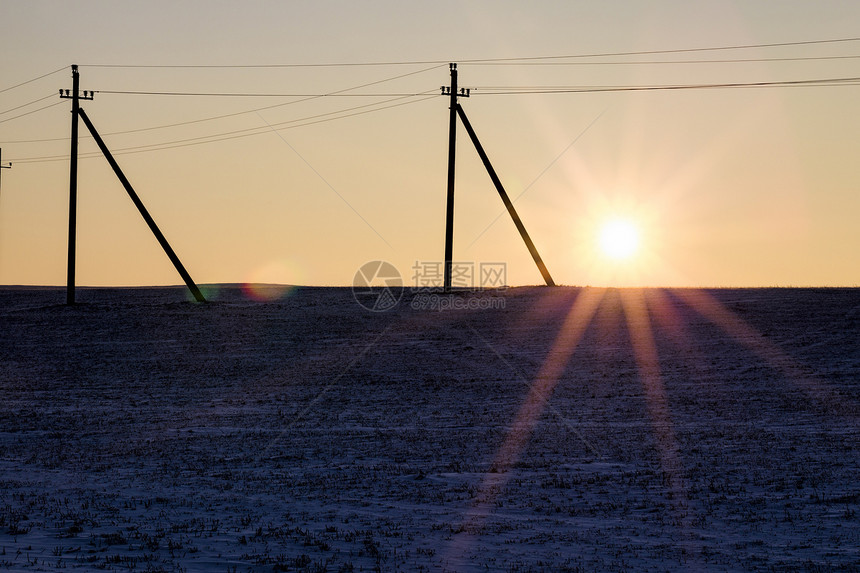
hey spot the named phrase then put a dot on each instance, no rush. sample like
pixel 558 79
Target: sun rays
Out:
pixel 645 312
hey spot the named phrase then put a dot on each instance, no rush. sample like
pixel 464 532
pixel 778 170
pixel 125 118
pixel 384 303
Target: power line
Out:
pixel 672 51
pixel 267 66
pixel 521 90
pixel 228 94
pixel 255 110
pixel 30 112
pixel 324 180
pixel 257 130
pixel 237 134
pixel 33 80
pixel 481 60
pixel 28 103
pixel 339 93
pixel 482 90
pixel 676 62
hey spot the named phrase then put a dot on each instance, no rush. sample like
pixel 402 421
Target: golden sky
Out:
pixel 753 186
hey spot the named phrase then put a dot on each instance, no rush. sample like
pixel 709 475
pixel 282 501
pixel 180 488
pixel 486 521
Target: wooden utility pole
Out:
pixel 452 156
pixel 75 96
pixel 78 112
pixel 457 110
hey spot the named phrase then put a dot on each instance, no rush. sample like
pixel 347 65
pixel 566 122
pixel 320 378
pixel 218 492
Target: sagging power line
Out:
pixel 524 60
pixel 234 94
pixel 29 103
pixel 523 90
pixel 254 110
pixel 520 60
pixel 236 134
pixel 597 58
pixel 58 70
pixel 418 97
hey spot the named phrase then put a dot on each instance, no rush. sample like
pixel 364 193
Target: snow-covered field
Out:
pixel 527 429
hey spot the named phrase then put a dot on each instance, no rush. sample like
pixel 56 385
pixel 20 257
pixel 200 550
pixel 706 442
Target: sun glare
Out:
pixel 619 239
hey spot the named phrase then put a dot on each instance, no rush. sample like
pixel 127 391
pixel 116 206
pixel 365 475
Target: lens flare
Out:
pixel 273 281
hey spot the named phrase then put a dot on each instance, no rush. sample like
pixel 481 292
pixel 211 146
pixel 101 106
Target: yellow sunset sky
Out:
pixel 730 186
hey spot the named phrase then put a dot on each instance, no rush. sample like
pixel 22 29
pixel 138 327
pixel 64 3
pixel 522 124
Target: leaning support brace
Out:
pixel 510 206
pixel 198 296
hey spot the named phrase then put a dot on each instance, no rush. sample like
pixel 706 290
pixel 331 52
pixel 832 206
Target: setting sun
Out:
pixel 619 239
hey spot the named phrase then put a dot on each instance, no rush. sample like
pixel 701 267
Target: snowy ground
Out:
pixel 532 429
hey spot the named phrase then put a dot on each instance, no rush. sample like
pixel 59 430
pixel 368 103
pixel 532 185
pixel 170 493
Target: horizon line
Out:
pixel 433 288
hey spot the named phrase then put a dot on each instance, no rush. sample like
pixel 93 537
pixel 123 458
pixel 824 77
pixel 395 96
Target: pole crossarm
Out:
pixel 505 199
pixel 67 94
pixel 198 296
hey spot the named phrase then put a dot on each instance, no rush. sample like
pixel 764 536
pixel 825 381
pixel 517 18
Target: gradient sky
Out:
pixel 730 187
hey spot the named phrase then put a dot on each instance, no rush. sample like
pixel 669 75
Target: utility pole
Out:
pixel 75 96
pixel 452 156
pixel 457 110
pixel 77 112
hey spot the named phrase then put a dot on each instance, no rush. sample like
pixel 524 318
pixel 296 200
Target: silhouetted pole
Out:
pixel 510 206
pixel 73 186
pixel 198 296
pixel 73 190
pixel 452 156
pixel 75 96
